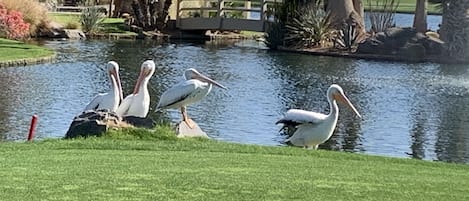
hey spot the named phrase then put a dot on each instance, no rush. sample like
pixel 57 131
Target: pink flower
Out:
pixel 12 24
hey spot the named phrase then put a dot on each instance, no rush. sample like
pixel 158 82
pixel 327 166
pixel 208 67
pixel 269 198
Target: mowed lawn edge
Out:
pixel 13 53
pixel 157 168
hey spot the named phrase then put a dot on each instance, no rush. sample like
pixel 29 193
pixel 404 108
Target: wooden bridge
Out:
pixel 250 15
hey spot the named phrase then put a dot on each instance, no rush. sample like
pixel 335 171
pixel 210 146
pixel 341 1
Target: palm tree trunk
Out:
pixel 345 11
pixel 420 17
pixel 455 30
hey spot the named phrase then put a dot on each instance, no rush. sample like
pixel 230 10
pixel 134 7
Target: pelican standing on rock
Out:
pixel 138 103
pixel 111 99
pixel 314 128
pixel 193 89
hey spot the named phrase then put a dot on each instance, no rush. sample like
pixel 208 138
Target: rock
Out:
pixel 371 46
pixel 433 46
pixel 182 130
pixel 94 123
pixel 73 34
pixel 404 42
pixel 59 32
pixel 413 51
pixel 400 32
pixel 139 122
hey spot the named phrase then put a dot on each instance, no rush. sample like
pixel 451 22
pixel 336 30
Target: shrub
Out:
pixel 72 25
pixel 274 36
pixel 91 19
pixel 33 13
pixel 347 37
pixel 12 25
pixel 381 14
pixel 310 28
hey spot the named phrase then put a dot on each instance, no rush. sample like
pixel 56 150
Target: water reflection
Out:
pixel 409 110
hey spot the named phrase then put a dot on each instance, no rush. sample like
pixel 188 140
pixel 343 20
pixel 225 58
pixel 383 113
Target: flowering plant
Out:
pixel 12 25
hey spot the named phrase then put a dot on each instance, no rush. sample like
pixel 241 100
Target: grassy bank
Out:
pixel 108 25
pixel 405 6
pixel 157 166
pixel 15 50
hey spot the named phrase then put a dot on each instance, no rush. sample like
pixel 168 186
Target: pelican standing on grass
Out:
pixel 111 99
pixel 314 128
pixel 193 89
pixel 138 103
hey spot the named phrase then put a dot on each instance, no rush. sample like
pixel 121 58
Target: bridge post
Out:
pixel 178 13
pixel 262 14
pixel 221 5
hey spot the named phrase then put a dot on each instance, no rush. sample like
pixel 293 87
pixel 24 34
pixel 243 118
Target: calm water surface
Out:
pixel 409 110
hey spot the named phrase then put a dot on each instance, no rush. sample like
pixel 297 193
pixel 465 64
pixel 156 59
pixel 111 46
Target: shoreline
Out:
pixel 28 61
pixel 373 57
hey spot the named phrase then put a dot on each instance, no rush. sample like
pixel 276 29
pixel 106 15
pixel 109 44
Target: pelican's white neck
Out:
pixel 143 85
pixel 334 111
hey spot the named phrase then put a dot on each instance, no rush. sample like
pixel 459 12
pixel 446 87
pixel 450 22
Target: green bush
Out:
pixel 91 19
pixel 311 27
pixel 72 25
pixel 347 38
pixel 274 36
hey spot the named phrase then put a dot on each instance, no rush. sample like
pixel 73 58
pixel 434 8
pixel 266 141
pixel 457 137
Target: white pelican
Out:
pixel 111 99
pixel 193 89
pixel 314 128
pixel 138 103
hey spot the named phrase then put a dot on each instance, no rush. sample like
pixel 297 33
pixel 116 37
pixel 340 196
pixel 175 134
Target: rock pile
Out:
pixel 95 123
pixel 405 42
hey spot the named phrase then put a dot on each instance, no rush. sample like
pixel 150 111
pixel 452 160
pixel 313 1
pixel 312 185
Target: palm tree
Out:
pixel 420 17
pixel 454 30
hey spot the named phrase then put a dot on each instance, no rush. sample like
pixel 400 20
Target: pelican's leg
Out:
pixel 315 147
pixel 186 118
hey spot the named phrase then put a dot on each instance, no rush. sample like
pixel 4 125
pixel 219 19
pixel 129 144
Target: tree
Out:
pixel 454 30
pixel 149 15
pixel 420 17
pixel 347 11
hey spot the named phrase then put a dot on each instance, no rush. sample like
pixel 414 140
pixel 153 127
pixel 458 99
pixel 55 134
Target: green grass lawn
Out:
pixel 14 50
pixel 405 6
pixel 154 165
pixel 108 25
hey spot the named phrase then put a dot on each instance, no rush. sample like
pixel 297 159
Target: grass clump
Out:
pixel 160 132
pixel 107 25
pixel 91 19
pixel 139 164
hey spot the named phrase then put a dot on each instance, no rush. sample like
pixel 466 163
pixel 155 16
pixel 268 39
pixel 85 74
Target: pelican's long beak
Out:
pixel 141 76
pixel 207 79
pixel 119 85
pixel 342 98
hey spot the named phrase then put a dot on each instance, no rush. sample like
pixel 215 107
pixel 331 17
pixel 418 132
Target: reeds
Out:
pixel 381 14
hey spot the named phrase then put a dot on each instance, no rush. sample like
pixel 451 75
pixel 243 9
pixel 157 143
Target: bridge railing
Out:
pixel 222 14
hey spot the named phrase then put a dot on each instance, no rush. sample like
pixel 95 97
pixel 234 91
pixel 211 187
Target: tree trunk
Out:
pixel 455 30
pixel 110 8
pixel 344 12
pixel 420 17
pixel 150 15
pixel 121 7
pixel 359 8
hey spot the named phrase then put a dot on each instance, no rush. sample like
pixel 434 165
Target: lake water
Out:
pixel 409 110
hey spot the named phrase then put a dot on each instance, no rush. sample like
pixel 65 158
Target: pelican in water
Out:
pixel 314 128
pixel 111 99
pixel 138 103
pixel 193 89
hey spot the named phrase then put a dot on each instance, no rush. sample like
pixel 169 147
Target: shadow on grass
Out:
pixel 114 27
